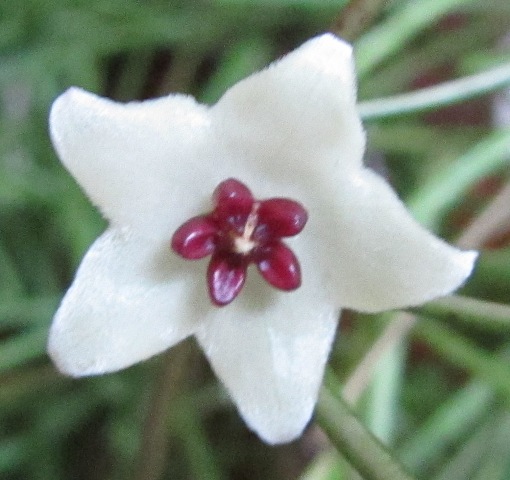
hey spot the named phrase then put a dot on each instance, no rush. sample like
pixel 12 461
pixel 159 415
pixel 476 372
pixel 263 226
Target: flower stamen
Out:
pixel 244 244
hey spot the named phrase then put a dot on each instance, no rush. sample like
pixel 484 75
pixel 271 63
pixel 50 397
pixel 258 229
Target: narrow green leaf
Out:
pixel 203 462
pixel 23 348
pixel 325 466
pixel 385 389
pixel 390 36
pixel 494 465
pixel 437 96
pixel 444 47
pixel 444 189
pixel 464 463
pixel 466 355
pixel 352 440
pixel 480 313
pixel 239 61
pixel 15 311
pixel 447 426
pixel 418 140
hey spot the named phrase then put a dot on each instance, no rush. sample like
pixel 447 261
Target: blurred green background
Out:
pixel 439 399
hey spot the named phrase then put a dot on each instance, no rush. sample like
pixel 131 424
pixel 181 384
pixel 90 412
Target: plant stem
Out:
pixel 363 451
pixel 151 461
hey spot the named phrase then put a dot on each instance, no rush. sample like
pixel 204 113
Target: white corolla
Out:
pixel 248 224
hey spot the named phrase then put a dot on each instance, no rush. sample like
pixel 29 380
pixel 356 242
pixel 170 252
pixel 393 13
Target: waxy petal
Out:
pixel 225 280
pixel 269 349
pixel 125 305
pixel 282 216
pixel 280 267
pixel 195 239
pixel 138 162
pixel 150 165
pixel 302 119
pixel 377 256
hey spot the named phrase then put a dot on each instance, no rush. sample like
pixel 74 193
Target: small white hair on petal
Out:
pixel 136 160
pixel 300 110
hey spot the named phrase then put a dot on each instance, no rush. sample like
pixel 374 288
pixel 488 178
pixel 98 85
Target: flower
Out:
pixel 290 132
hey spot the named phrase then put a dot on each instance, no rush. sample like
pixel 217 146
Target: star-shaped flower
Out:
pixel 281 149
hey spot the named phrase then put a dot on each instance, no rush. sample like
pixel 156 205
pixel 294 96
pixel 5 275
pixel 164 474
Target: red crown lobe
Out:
pixel 240 231
pixel 283 217
pixel 280 267
pixel 232 202
pixel 195 239
pixel 225 279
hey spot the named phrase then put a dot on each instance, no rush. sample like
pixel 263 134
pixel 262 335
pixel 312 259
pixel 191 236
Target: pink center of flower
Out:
pixel 241 230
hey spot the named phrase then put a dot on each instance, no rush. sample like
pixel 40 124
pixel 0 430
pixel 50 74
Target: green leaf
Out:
pixel 239 61
pixel 437 96
pixel 447 426
pixel 325 466
pixel 477 313
pixel 385 390
pixel 445 47
pixel 23 348
pixel 390 36
pixel 444 190
pixel 352 440
pixel 465 354
pixel 480 446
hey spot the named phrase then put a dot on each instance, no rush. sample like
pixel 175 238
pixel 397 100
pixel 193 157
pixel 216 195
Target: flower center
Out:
pixel 244 244
pixel 239 231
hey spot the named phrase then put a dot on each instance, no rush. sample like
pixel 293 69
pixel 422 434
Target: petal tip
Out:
pixel 329 41
pixel 466 262
pixel 62 102
pixel 284 436
pixel 60 350
pixel 330 54
pixel 63 110
pixel 285 427
pixel 60 360
pixel 73 365
pixel 461 267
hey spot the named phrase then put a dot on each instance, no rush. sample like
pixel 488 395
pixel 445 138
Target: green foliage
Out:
pixel 54 428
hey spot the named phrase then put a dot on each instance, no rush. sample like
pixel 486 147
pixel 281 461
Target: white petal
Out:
pixel 151 165
pixel 137 161
pixel 377 257
pixel 297 119
pixel 127 303
pixel 269 348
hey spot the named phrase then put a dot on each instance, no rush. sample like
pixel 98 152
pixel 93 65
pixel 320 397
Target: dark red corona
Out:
pixel 241 230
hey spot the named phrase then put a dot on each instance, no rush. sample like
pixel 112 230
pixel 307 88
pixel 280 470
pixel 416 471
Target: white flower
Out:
pixel 291 130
